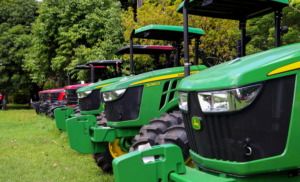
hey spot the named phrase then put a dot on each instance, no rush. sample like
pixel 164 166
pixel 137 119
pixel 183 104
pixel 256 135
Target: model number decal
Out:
pixel 182 74
pixel 153 84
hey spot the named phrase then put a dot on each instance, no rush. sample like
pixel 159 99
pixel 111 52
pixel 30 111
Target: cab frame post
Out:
pixel 197 42
pixel 131 53
pixel 243 37
pixel 186 38
pixel 92 74
pixel 278 16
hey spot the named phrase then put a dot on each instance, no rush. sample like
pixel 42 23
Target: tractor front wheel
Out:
pixel 104 160
pixel 113 149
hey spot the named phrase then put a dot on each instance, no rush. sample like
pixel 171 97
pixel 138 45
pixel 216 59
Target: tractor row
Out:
pixel 235 121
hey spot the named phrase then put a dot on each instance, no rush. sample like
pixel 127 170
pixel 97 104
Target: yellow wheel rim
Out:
pixel 189 162
pixel 115 149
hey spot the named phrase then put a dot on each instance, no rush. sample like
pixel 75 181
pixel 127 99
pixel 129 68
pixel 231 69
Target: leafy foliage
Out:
pixel 219 40
pixel 15 38
pixel 68 33
pixel 262 30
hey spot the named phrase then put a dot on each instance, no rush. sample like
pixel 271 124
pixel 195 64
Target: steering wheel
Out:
pixel 212 61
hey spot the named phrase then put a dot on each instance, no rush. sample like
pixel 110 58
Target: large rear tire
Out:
pixel 55 105
pixel 44 107
pixel 157 126
pixel 174 133
pixel 76 109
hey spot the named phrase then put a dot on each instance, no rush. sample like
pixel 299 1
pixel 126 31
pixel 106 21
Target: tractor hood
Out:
pixel 258 67
pixel 76 86
pixel 99 85
pixel 150 77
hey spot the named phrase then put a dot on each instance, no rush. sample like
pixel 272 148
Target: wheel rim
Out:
pixel 115 149
pixel 189 162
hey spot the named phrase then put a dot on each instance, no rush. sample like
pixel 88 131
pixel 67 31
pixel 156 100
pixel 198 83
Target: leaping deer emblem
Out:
pixel 195 123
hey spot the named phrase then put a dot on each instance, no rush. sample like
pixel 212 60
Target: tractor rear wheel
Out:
pixel 76 109
pixel 44 107
pixel 157 126
pixel 174 133
pixel 55 105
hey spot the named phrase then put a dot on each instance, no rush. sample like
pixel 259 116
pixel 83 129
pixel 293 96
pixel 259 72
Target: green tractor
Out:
pixel 138 109
pixel 241 116
pixel 93 105
pixel 89 96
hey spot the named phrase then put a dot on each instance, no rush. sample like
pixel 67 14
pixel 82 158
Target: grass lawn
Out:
pixel 33 149
pixel 17 105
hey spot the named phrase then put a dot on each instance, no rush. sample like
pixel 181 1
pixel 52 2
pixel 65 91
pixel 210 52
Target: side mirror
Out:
pixel 284 30
pixel 201 51
pixel 248 39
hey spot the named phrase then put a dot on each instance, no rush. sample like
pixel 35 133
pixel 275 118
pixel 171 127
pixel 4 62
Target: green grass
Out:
pixel 33 149
pixel 17 105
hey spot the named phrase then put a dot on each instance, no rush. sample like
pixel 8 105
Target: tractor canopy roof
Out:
pixel 247 70
pixel 76 86
pixel 166 32
pixel 101 84
pixel 105 62
pixel 233 9
pixel 145 49
pixel 56 90
pixel 87 67
pixel 44 91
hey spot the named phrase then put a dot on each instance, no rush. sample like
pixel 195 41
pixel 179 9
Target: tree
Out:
pixel 68 33
pixel 220 34
pixel 262 29
pixel 15 40
pixel 219 40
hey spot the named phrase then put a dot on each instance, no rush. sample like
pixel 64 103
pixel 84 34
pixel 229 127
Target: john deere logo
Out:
pixel 196 123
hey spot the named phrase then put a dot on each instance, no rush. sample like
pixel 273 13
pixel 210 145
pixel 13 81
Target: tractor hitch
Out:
pixel 61 116
pixel 87 137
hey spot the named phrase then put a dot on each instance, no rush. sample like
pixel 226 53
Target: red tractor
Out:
pixel 2 102
pixel 44 97
pixel 68 96
pixel 57 99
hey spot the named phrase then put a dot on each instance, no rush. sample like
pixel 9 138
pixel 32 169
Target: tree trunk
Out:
pixel 139 3
pixel 34 93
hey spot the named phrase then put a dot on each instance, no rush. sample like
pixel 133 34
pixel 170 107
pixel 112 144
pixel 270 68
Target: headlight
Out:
pixel 228 100
pixel 113 95
pixel 183 101
pixel 83 94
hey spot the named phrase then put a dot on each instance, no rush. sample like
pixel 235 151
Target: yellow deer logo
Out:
pixel 196 123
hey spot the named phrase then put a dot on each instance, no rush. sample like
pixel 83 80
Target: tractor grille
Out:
pixel 54 97
pixel 265 122
pixel 71 96
pixel 45 96
pixel 127 107
pixel 91 102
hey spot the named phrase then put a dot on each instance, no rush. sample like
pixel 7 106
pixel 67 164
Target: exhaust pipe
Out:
pixel 92 74
pixel 58 80
pixel 69 80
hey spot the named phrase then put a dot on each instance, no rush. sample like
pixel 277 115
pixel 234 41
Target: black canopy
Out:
pixel 105 62
pixel 145 49
pixel 233 9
